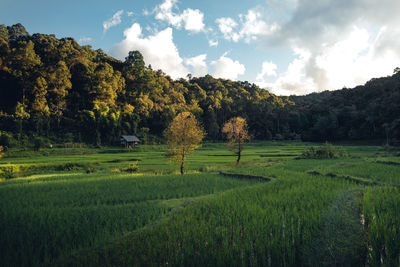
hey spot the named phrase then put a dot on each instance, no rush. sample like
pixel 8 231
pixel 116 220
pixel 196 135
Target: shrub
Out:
pixel 7 140
pixel 91 168
pixel 133 167
pixel 70 166
pixel 325 151
pixel 39 142
pixel 9 171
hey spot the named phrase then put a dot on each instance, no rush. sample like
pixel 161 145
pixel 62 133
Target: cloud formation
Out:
pixel 191 19
pixel 268 69
pixel 114 21
pixel 227 27
pixel 250 27
pixel 227 68
pixel 346 43
pixel 158 50
pixel 213 43
pixel 198 65
pixel 293 80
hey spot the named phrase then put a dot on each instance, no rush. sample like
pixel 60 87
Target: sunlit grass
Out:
pixel 77 201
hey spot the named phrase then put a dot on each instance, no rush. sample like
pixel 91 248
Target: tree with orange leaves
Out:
pixel 183 135
pixel 236 132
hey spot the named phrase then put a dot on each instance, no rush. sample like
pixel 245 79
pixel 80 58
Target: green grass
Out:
pixel 44 217
pixel 265 224
pixel 382 223
pixel 57 214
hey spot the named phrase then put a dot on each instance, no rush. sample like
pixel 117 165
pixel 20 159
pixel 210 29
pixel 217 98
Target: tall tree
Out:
pixel 23 64
pixel 59 85
pixel 106 84
pixel 237 134
pixel 183 135
pixel 39 107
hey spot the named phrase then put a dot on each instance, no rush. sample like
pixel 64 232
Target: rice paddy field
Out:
pixel 130 207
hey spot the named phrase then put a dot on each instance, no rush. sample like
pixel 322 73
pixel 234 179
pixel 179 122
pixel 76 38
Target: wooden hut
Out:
pixel 129 140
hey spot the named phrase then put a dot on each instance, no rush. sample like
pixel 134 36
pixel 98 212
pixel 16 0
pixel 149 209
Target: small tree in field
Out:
pixel 236 131
pixel 183 135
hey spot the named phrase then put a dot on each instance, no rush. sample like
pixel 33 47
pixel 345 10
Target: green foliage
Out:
pixel 73 212
pixel 325 151
pixel 70 166
pixel 9 171
pixel 51 86
pixel 119 219
pixel 39 142
pixel 340 241
pixel 268 223
pixel 381 214
pixel 7 139
pixel 133 167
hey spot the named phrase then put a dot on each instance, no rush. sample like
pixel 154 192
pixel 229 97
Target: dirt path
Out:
pixel 341 237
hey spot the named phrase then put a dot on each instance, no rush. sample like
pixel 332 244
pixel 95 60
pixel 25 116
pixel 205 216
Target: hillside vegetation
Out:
pixel 276 208
pixel 70 93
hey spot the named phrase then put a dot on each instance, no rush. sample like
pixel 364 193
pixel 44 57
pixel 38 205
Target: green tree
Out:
pixel 183 135
pixel 23 64
pixel 39 108
pixel 237 134
pixel 59 85
pixel 106 84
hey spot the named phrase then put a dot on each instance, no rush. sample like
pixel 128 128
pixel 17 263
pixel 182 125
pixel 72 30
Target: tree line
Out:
pixel 57 89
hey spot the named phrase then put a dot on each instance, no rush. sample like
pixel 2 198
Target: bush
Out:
pixel 9 171
pixel 7 140
pixel 68 167
pixel 133 167
pixel 91 168
pixel 326 151
pixel 40 142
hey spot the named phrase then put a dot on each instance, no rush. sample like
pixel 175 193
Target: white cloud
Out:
pixel 227 68
pixel 85 40
pixel 191 19
pixel 212 43
pixel 349 62
pixel 114 21
pixel 353 60
pixel 164 12
pixel 198 64
pixel 268 69
pixel 158 50
pixel 348 42
pixel 130 13
pixel 227 27
pixel 250 27
pixel 293 80
pixel 253 26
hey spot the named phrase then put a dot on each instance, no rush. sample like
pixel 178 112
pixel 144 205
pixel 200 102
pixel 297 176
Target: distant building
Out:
pixel 129 140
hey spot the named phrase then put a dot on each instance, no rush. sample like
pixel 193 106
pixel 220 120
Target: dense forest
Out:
pixel 57 90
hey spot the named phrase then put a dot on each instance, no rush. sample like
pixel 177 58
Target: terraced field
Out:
pixel 83 207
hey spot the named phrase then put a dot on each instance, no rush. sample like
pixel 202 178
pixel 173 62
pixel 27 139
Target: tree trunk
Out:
pixel 239 152
pixel 182 163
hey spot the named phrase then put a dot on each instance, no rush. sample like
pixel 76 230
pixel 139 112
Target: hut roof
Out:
pixel 130 138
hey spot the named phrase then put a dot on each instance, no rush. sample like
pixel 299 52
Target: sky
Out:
pixel 286 46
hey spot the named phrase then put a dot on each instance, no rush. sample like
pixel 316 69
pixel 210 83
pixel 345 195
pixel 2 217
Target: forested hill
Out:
pixel 57 89
pixel 371 111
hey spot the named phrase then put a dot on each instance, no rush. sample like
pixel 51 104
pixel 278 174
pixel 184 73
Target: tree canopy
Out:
pixel 183 135
pixel 237 134
pixel 59 89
